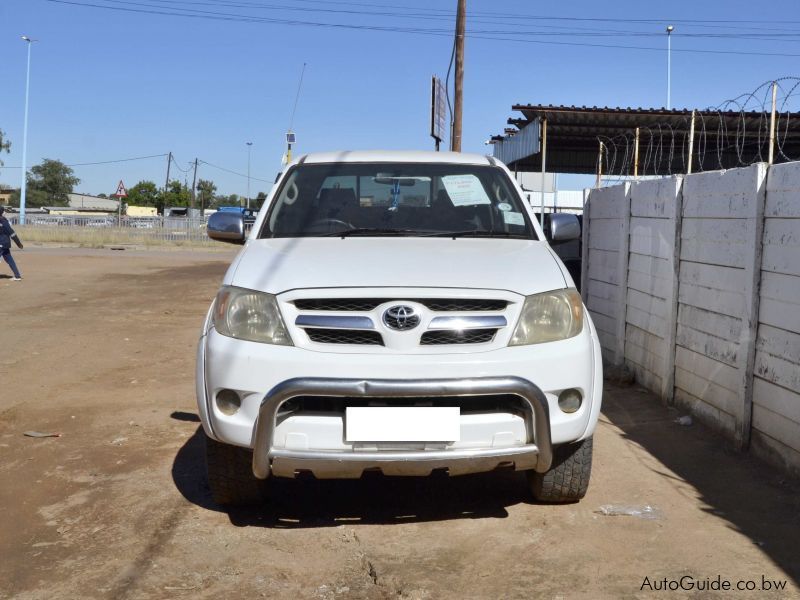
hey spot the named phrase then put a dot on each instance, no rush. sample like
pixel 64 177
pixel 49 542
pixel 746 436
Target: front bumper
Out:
pixel 536 453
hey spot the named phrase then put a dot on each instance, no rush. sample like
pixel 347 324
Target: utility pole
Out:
pixel 458 103
pixel 249 147
pixel 166 184
pixel 194 182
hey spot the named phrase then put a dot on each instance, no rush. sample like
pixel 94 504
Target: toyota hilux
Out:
pixel 399 312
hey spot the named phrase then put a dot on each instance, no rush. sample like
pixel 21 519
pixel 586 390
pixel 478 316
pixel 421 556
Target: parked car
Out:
pixel 400 312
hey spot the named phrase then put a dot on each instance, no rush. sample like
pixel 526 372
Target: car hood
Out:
pixel 281 264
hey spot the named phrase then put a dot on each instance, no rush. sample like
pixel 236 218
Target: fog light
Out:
pixel 570 400
pixel 228 402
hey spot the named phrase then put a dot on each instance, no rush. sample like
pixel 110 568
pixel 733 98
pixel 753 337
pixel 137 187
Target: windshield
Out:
pixel 392 199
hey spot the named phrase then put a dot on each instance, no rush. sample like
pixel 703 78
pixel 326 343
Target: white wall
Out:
pixel 603 286
pixel 776 389
pixel 720 218
pixel 694 283
pixel 652 260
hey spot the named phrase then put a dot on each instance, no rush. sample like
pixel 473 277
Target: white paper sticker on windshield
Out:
pixel 513 218
pixel 465 190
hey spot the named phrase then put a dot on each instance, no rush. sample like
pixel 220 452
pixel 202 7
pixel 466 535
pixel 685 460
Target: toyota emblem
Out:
pixel 401 317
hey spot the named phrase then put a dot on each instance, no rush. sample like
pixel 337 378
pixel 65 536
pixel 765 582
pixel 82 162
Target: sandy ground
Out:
pixel 99 346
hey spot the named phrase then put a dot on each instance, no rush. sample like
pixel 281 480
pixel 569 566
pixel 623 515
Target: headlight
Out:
pixel 549 317
pixel 248 315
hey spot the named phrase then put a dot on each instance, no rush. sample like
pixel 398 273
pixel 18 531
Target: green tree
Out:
pixel 177 194
pixel 144 193
pixel 259 201
pixel 4 144
pixel 49 183
pixel 205 192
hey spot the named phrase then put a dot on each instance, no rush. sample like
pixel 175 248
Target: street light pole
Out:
pixel 24 185
pixel 669 66
pixel 249 146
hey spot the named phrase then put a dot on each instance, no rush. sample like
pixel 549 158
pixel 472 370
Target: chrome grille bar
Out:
pixel 335 322
pixel 460 323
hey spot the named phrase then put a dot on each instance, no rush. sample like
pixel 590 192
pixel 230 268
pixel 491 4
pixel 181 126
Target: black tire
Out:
pixel 568 477
pixel 230 475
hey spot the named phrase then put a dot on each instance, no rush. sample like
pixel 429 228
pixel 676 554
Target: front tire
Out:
pixel 230 475
pixel 568 477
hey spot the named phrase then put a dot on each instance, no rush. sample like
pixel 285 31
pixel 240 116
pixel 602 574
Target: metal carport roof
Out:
pixel 722 139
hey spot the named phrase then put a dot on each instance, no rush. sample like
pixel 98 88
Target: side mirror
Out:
pixel 226 227
pixel 564 227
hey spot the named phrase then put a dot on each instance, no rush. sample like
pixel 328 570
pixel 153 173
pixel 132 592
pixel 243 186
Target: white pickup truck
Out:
pixel 399 312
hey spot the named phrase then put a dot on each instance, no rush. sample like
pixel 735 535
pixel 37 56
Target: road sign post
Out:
pixel 119 195
pixel 438 110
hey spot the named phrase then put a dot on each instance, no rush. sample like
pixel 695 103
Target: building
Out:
pixel 87 201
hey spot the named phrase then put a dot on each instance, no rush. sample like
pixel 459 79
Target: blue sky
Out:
pixel 109 84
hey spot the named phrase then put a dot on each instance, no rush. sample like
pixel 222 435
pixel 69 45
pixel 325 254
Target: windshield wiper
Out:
pixel 471 233
pixel 370 231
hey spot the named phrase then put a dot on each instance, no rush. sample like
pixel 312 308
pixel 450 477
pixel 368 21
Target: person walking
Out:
pixel 6 235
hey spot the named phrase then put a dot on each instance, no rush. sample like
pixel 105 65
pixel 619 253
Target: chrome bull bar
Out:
pixel 537 453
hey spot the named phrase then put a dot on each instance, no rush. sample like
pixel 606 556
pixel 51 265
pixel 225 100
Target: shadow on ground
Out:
pixel 755 499
pixel 373 499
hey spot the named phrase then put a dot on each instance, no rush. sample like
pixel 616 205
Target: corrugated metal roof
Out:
pixel 723 139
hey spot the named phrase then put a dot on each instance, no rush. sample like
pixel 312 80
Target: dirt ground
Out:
pixel 99 346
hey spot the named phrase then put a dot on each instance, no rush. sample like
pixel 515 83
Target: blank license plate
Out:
pixel 402 424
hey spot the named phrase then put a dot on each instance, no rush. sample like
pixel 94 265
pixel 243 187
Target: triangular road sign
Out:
pixel 121 191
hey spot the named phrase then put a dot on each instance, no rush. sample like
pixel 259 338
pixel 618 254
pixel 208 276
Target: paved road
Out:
pixel 98 346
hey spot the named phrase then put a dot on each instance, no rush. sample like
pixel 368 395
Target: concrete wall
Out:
pixel 605 248
pixel 694 284
pixel 776 389
pixel 721 213
pixel 652 267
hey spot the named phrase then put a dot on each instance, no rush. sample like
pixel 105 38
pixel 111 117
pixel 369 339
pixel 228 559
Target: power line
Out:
pixel 104 162
pixel 234 17
pixel 205 162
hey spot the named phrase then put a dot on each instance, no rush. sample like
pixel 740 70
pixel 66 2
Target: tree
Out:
pixel 232 200
pixel 259 201
pixel 49 184
pixel 177 194
pixel 144 193
pixel 4 144
pixel 205 191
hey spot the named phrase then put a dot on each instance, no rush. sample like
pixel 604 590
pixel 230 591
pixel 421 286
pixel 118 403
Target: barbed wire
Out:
pixel 734 133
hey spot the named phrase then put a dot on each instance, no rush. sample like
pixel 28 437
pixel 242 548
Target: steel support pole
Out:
pixel 691 145
pixel 636 155
pixel 599 166
pixel 772 122
pixel 544 169
pixel 669 69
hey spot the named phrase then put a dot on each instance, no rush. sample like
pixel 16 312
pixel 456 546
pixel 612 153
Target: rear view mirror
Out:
pixel 387 179
pixel 564 227
pixel 226 227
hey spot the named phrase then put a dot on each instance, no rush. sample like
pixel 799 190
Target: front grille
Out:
pixel 344 336
pixel 341 304
pixel 478 336
pixel 459 304
pixel 368 304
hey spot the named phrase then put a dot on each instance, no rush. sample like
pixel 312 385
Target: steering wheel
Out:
pixel 329 225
